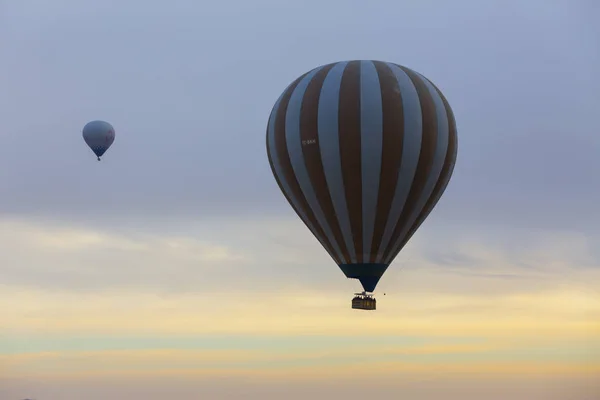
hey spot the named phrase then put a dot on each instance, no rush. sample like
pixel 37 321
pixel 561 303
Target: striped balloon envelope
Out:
pixel 362 151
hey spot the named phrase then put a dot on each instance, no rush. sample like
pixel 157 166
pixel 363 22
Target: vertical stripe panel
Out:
pixel 371 127
pixel 350 149
pixel 441 148
pixel 412 140
pixel 392 149
pixel 329 145
pixel 309 134
pixel 294 148
pixel 288 174
pixel 280 178
pixel 444 176
pixel 425 160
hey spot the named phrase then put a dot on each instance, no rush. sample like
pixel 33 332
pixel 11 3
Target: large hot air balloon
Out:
pixel 99 136
pixel 362 151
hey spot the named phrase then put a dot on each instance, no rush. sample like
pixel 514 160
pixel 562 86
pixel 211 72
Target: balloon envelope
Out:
pixel 99 136
pixel 363 151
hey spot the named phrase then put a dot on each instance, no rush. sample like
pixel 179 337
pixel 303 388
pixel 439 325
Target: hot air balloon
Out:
pixel 362 150
pixel 99 136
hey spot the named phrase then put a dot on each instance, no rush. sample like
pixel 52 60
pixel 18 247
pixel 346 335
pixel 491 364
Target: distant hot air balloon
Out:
pixel 99 136
pixel 362 151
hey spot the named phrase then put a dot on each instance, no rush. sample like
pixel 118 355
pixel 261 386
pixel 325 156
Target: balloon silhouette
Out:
pixel 362 150
pixel 99 136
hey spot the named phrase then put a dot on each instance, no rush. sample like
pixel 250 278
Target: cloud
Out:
pixel 373 361
pixel 220 360
pixel 557 313
pixel 425 386
pixel 496 250
pixel 55 256
pixel 279 255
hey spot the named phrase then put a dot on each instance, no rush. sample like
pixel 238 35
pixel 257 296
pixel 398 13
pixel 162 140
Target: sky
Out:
pixel 175 267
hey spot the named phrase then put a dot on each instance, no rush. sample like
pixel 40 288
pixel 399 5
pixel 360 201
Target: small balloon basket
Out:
pixel 364 301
